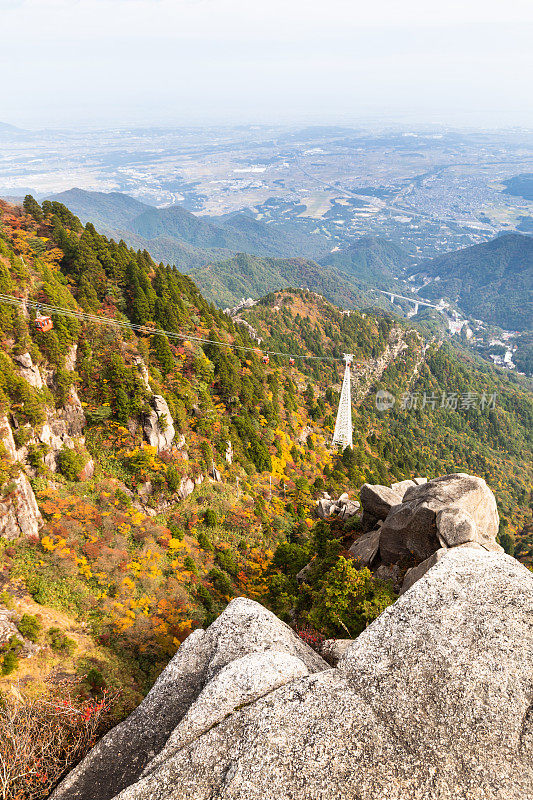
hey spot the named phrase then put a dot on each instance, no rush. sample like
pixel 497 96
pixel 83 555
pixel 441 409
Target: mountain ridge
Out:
pixel 492 281
pixel 174 224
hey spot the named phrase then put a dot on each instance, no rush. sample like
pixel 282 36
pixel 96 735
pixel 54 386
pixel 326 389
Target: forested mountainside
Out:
pixel 197 245
pixel 492 281
pixel 186 239
pixel 370 260
pixel 147 480
pixel 119 433
pixel 227 282
pixel 345 277
pixel 473 417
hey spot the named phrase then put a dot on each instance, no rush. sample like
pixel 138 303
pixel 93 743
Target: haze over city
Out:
pixel 172 62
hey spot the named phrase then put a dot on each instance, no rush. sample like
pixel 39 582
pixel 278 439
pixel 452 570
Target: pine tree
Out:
pixel 32 207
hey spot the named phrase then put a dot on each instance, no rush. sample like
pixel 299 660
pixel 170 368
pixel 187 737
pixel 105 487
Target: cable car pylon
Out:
pixel 343 434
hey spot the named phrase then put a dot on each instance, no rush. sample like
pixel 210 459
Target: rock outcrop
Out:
pixel 158 424
pixel 9 629
pixel 7 625
pixel 444 512
pixel 28 370
pixel 365 549
pixel 378 500
pixel 245 654
pixel 19 512
pixel 343 508
pixel 431 702
pixel 408 524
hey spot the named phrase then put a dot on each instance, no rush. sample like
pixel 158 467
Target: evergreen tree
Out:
pixel 32 207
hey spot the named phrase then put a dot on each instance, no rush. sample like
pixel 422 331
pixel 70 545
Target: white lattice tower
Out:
pixel 343 426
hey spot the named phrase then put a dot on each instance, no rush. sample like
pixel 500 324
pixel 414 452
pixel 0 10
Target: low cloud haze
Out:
pixel 172 62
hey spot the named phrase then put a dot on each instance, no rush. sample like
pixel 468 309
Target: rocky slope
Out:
pixel 408 527
pixel 433 700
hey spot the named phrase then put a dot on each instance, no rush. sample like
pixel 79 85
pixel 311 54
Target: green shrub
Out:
pixel 226 560
pixel 176 531
pixel 96 680
pixel 204 595
pixel 204 541
pixel 36 453
pixel 190 565
pixel 71 463
pixel 10 662
pixel 100 414
pixel 60 642
pixel 210 518
pixel 9 655
pixel 22 436
pixel 290 558
pixel 30 627
pixel 348 600
pixel 207 452
pixel 6 599
pixel 220 580
pixel 38 484
pixel 123 498
pixel 58 591
pixel 173 478
pixel 319 484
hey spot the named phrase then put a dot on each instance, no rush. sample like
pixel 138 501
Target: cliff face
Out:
pixel 19 513
pixel 433 700
pixel 61 428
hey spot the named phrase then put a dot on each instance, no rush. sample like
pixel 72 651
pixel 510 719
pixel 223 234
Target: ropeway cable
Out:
pixel 102 320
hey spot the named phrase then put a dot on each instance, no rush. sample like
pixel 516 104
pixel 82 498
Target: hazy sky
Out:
pixel 71 62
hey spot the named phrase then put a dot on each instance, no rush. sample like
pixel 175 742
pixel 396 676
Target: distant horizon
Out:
pixel 376 126
pixel 138 63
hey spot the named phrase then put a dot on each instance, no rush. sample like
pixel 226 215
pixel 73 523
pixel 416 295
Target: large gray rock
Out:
pixel 237 684
pixel 443 512
pixel 431 702
pixel 215 474
pixel 28 370
pixel 348 510
pixel 73 414
pixel 415 573
pixel 197 684
pixel 324 507
pixel 19 512
pixel 378 500
pixel 402 486
pixel 7 625
pixel 158 424
pixel 365 548
pixel 55 434
pixel 7 439
pixel 343 508
pixel 186 487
